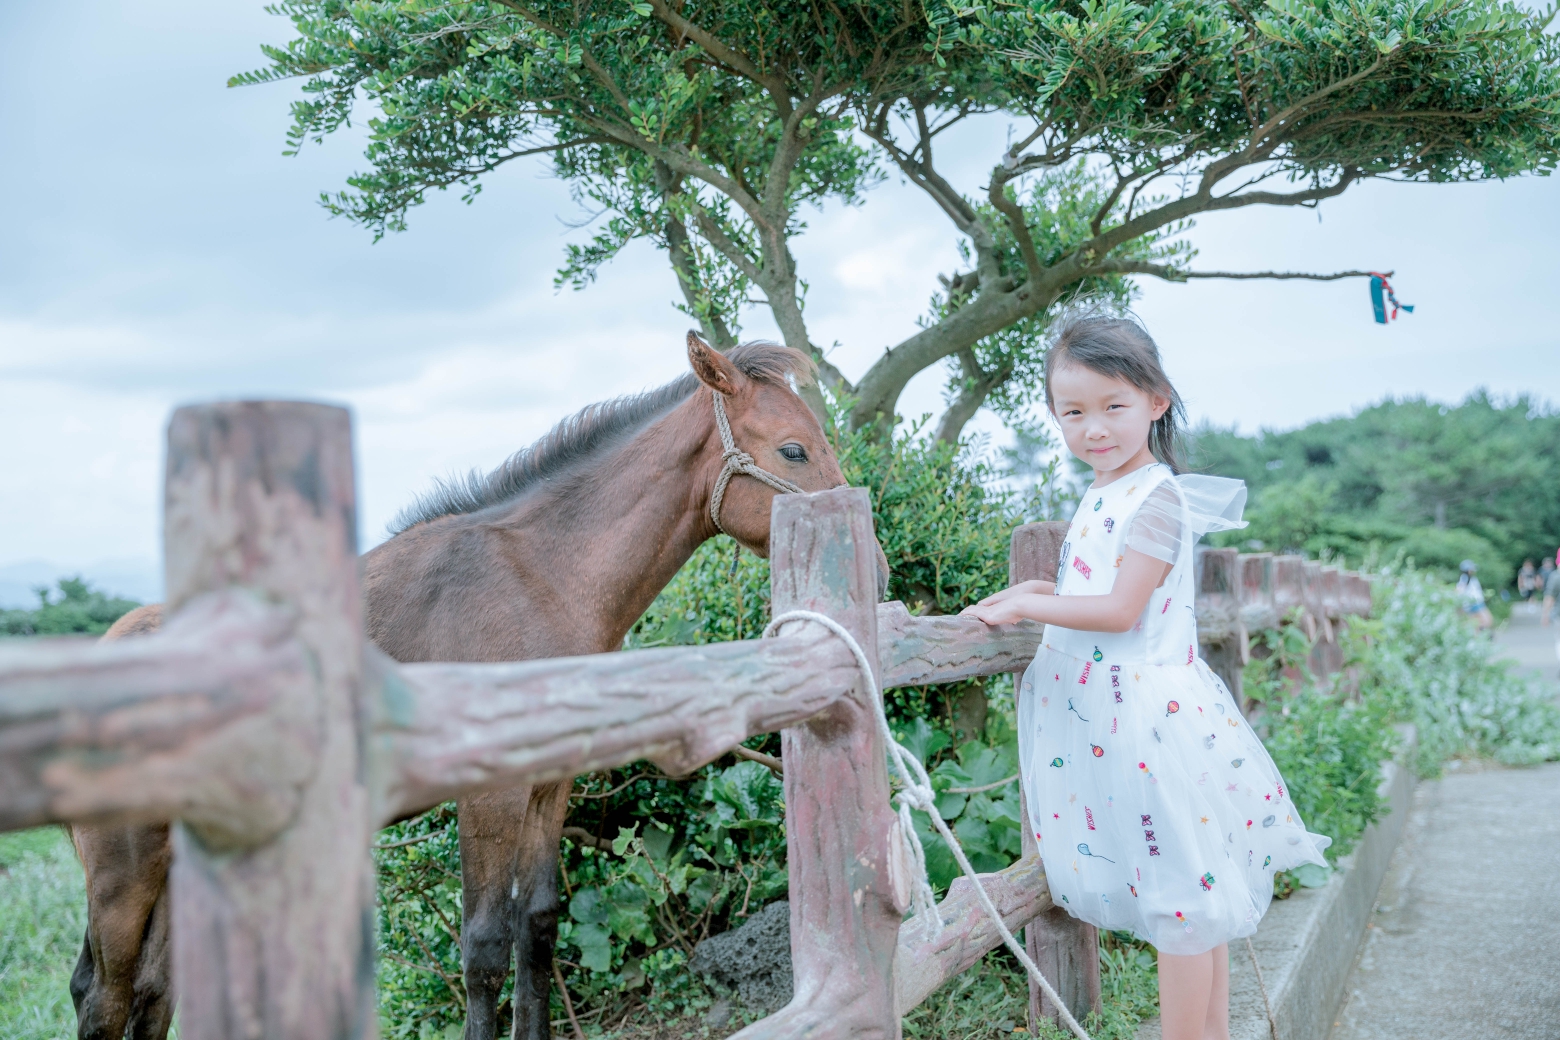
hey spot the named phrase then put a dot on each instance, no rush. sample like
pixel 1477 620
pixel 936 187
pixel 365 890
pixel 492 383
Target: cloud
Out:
pixel 159 250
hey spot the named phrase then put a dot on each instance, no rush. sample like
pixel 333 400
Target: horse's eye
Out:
pixel 794 452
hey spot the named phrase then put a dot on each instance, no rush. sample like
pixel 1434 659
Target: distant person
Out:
pixel 1551 589
pixel 1546 569
pixel 1471 595
pixel 1528 584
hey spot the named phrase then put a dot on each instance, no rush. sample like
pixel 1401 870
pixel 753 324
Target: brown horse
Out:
pixel 555 553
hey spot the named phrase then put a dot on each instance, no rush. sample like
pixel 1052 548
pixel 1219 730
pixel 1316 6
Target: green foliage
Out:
pixel 1352 83
pixel 43 915
pixel 1329 750
pixel 77 610
pixel 1327 744
pixel 1418 660
pixel 1427 661
pixel 992 999
pixel 707 126
pixel 1437 484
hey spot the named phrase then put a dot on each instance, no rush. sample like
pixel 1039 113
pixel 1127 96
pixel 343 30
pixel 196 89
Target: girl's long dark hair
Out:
pixel 1121 349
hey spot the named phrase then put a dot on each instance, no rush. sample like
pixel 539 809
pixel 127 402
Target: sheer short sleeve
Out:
pixel 1156 526
pixel 1161 527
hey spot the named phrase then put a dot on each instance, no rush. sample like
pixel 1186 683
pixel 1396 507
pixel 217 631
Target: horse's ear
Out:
pixel 713 368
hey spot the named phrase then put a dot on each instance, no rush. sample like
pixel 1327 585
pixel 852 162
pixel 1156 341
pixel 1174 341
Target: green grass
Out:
pixel 43 911
pixel 992 999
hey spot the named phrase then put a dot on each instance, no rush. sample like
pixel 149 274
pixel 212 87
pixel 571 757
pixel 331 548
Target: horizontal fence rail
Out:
pixel 262 722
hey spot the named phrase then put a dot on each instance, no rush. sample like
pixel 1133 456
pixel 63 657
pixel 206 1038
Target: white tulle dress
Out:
pixel 1156 808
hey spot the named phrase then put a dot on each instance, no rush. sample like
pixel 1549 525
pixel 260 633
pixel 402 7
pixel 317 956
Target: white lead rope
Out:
pixel 918 794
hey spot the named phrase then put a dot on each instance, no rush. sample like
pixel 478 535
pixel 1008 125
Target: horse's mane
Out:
pixel 582 435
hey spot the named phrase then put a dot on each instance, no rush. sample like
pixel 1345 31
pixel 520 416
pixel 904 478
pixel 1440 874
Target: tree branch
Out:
pixel 832 377
pixel 924 175
pixel 977 386
pixel 1173 274
pixel 680 250
pixel 725 54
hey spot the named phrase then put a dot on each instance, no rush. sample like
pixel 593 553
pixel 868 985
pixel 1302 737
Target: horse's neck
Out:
pixel 617 541
pixel 564 569
pixel 598 549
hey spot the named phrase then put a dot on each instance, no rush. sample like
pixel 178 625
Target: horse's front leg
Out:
pixel 537 908
pixel 490 828
pixel 126 871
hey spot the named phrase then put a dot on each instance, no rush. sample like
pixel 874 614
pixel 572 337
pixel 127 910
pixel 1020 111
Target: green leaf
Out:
pixel 588 907
pixel 595 945
pixel 658 841
pixel 1311 875
pixel 922 740
pixel 624 839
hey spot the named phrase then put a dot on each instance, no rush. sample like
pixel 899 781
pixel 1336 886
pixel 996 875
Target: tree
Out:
pixel 1478 480
pixel 709 127
pixel 79 609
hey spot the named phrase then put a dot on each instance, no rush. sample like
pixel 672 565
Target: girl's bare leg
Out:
pixel 1218 1021
pixel 1185 993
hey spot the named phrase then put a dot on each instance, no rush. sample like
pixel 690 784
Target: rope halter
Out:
pixel 734 460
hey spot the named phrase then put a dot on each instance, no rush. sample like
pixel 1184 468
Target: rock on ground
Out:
pixel 754 959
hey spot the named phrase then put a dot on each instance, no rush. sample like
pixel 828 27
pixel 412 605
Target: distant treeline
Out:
pixel 1442 484
pixel 73 608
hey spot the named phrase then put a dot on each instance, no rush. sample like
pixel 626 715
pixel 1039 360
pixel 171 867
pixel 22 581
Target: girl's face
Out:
pixel 1105 421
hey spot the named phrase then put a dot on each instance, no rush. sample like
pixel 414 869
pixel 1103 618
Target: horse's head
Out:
pixel 768 419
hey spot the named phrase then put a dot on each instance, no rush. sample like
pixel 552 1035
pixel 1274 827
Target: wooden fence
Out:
pixel 261 721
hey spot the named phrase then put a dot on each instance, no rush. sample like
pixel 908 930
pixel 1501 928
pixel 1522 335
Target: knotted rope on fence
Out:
pixel 918 794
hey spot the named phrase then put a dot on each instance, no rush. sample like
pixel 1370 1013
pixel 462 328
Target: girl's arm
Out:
pixel 1116 611
pixel 1034 587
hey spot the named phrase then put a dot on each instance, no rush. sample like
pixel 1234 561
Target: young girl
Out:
pixel 1156 808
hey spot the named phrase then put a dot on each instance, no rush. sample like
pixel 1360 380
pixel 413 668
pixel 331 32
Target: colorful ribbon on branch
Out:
pixel 1380 295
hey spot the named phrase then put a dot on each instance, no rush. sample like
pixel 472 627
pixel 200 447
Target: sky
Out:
pixel 156 249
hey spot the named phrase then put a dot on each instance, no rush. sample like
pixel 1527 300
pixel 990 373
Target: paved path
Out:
pixel 1531 645
pixel 1465 940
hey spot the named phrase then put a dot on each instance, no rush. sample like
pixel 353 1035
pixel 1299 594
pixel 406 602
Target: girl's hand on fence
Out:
pixel 1034 588
pixel 1003 612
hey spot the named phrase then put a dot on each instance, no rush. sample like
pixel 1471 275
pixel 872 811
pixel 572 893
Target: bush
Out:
pixel 1417 660
pixel 1433 669
pixel 78 610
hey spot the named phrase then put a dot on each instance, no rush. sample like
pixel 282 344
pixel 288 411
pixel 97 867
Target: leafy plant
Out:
pixel 1434 670
pixel 1435 483
pixel 79 609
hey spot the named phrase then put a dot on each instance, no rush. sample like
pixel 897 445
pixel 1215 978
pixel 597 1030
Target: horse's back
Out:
pixel 444 591
pixel 142 621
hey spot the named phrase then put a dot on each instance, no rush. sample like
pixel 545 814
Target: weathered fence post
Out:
pixel 273 927
pixel 1220 627
pixel 845 912
pixel 1066 950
